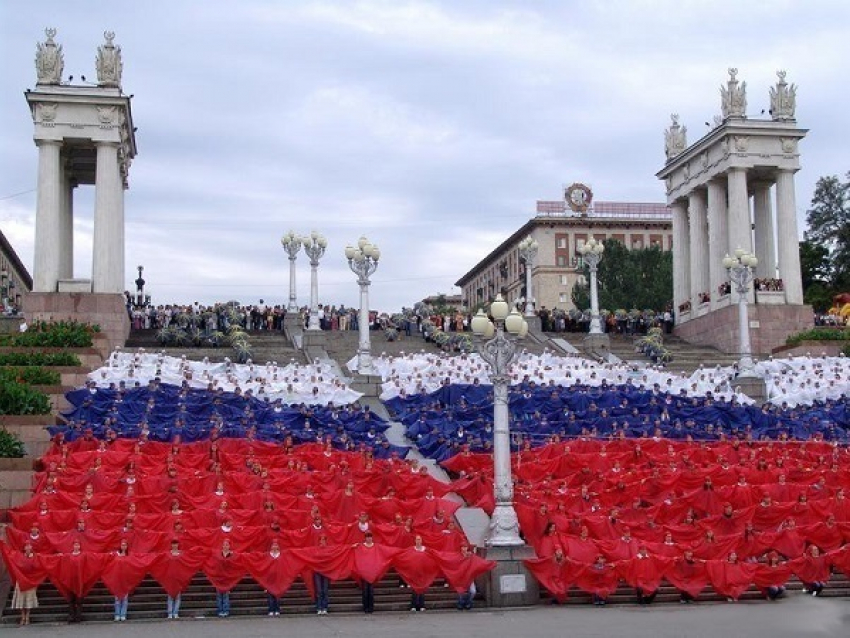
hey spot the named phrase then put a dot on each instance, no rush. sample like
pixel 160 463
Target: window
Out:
pixel 563 280
pixel 563 297
pixel 562 261
pixel 562 242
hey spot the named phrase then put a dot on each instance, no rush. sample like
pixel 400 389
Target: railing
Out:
pixel 608 210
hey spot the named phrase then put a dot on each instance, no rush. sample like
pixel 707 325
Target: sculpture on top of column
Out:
pixel 733 101
pixel 783 99
pixel 49 60
pixel 675 138
pixel 108 62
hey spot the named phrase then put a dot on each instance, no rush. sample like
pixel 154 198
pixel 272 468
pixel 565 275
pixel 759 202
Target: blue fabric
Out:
pixel 168 410
pixel 442 422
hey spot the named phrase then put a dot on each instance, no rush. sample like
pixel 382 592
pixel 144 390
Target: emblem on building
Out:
pixel 578 197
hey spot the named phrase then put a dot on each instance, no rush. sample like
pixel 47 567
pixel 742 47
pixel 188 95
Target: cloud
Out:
pixel 432 127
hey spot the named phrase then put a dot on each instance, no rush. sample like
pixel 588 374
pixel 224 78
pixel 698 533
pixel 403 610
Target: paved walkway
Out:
pixel 795 617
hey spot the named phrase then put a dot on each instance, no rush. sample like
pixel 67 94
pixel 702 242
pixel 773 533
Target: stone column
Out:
pixel 740 230
pixel 108 242
pixel 47 217
pixel 66 224
pixel 788 240
pixel 763 220
pixel 699 245
pixel 681 256
pixel 718 238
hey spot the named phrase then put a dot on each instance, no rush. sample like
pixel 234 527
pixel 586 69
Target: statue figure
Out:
pixel 733 102
pixel 49 60
pixel 783 99
pixel 108 62
pixel 675 138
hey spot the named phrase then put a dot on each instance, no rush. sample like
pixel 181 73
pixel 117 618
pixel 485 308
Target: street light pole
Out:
pixel 363 261
pixel 591 252
pixel 314 247
pixel 740 269
pixel 528 252
pixel 499 351
pixel 291 245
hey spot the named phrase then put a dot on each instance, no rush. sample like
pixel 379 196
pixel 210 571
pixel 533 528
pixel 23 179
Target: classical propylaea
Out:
pixel 49 60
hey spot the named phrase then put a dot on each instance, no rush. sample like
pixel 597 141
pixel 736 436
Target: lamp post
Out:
pixel 528 252
pixel 499 350
pixel 140 287
pixel 740 269
pixel 591 252
pixel 314 247
pixel 291 245
pixel 363 261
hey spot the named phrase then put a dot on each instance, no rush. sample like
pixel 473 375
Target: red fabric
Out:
pixel 124 573
pixel 372 563
pixel 275 575
pixel 76 574
pixel 598 580
pixel 690 577
pixel 28 572
pixel 730 579
pixel 417 568
pixel 174 572
pixel 644 573
pixel 461 571
pixel 224 572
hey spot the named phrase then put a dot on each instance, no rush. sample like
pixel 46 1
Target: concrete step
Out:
pixel 247 598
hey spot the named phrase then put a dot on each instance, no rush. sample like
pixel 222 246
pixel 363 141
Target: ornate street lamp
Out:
pixel 528 252
pixel 363 261
pixel 314 247
pixel 740 269
pixel 291 245
pixel 499 351
pixel 591 252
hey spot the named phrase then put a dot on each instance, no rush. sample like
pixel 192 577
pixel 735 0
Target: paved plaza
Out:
pixel 794 617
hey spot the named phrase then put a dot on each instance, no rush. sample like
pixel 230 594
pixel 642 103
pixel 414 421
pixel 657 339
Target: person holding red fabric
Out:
pixel 173 602
pixel 417 601
pixel 75 601
pixel 121 603
pixel 813 568
pixel 274 601
pixel 368 591
pixel 222 598
pixel 322 584
pixel 25 599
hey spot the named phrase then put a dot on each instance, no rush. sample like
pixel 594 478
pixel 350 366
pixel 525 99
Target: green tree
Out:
pixel 816 272
pixel 828 220
pixel 640 278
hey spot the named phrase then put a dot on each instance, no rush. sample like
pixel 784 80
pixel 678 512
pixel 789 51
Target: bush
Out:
pixel 32 375
pixel 59 334
pixel 39 359
pixel 11 447
pixel 21 399
pixel 818 334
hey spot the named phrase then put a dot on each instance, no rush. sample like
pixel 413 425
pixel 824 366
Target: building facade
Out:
pixel 15 280
pixel 560 229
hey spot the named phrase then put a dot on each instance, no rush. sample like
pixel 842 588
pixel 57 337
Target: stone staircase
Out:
pixel 246 599
pixel 687 357
pixel 266 345
pixel 838 586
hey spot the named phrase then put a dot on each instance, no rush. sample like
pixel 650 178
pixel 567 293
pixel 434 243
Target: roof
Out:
pixel 16 262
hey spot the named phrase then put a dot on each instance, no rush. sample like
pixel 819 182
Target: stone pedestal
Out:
pixel 770 325
pixel 107 310
pixel 753 387
pixel 510 584
pixel 369 385
pixel 597 345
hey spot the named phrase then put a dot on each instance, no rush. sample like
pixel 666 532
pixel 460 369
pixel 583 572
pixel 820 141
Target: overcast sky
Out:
pixel 431 127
